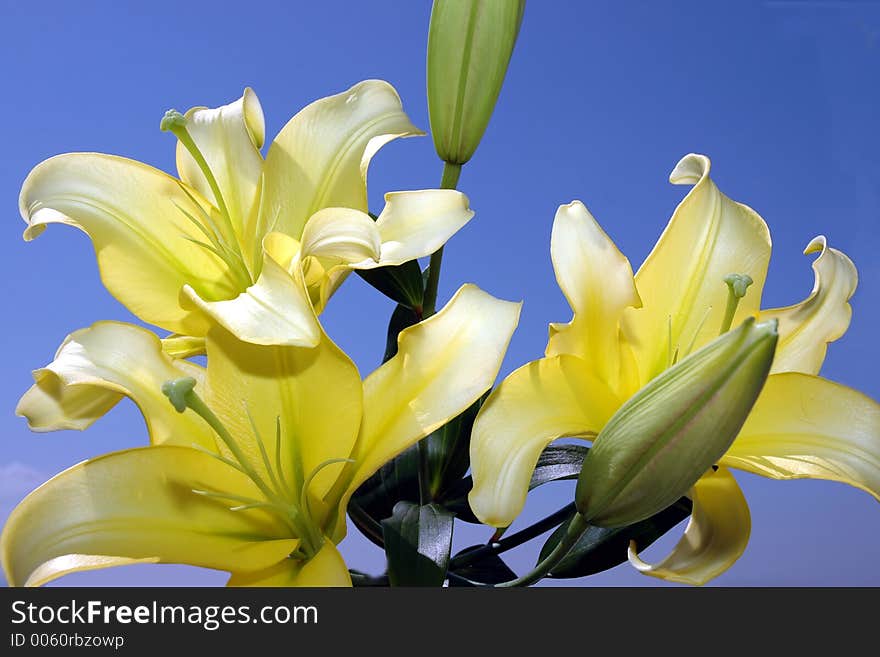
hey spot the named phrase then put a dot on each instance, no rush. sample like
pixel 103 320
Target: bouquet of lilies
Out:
pixel 265 441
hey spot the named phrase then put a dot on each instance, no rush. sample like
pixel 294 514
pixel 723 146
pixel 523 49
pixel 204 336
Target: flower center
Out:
pixel 280 497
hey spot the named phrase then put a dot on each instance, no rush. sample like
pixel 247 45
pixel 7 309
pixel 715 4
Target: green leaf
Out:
pixel 448 450
pixel 600 549
pixel 401 318
pixel 489 570
pixel 557 462
pixel 417 544
pixel 400 283
pixel 396 481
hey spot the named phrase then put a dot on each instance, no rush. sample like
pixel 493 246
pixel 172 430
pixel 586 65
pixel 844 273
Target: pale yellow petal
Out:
pixel 547 399
pixel 137 219
pixel 597 280
pixel 139 504
pixel 229 138
pixel 183 346
pixel 77 563
pixel 315 394
pixel 681 282
pixel 806 328
pixel 95 367
pixel 415 224
pixel 320 158
pixel 341 234
pixel 716 535
pixel 325 569
pixel 803 426
pixel 442 366
pixel 275 310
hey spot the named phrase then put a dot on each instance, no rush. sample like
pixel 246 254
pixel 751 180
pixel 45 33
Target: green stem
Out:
pixel 371 529
pixel 451 173
pixel 575 530
pixel 514 540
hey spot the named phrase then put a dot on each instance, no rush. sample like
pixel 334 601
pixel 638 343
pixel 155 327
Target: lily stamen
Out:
pixel 699 328
pixel 276 484
pixel 175 123
pixel 181 393
pixel 279 499
pixel 218 244
pixel 737 284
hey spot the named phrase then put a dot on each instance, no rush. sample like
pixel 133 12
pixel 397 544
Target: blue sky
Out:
pixel 601 101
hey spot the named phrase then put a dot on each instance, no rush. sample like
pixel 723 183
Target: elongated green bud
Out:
pixel 665 437
pixel 469 47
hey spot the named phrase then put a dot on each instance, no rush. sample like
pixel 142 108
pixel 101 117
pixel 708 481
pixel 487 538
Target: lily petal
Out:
pixel 137 219
pixel 442 366
pixel 805 329
pixel 544 400
pixel 597 280
pixel 183 346
pixel 320 158
pixel 287 385
pixel 95 367
pixel 275 310
pixel 681 282
pixel 716 535
pixel 325 569
pixel 412 225
pixel 341 234
pixel 415 224
pixel 229 138
pixel 803 426
pixel 138 504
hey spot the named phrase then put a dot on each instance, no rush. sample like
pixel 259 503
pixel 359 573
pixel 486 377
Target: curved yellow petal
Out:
pixel 342 234
pixel 229 138
pixel 544 400
pixel 325 569
pixel 78 563
pixel 412 225
pixel 417 223
pixel 806 328
pixel 137 219
pixel 803 426
pixel 95 367
pixel 681 282
pixel 314 395
pixel 275 310
pixel 597 280
pixel 320 158
pixel 442 366
pixel 139 504
pixel 716 535
pixel 183 346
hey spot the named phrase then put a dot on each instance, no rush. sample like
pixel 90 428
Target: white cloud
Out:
pixel 18 479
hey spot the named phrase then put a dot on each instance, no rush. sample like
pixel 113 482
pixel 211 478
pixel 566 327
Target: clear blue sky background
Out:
pixel 601 100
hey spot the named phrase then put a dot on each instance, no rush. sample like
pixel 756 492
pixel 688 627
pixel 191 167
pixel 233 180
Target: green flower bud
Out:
pixel 469 47
pixel 665 437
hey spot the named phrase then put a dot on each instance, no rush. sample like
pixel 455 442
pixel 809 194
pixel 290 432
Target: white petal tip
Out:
pixel 690 169
pixel 817 245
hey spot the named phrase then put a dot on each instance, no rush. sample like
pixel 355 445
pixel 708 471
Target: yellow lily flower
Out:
pixel 254 474
pixel 229 240
pixel 626 330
